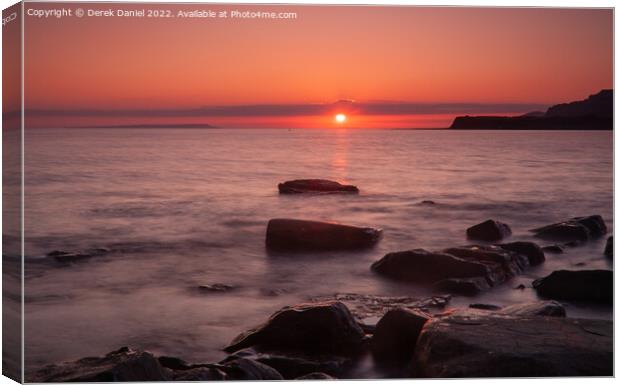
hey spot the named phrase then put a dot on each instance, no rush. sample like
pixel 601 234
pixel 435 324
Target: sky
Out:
pixel 383 67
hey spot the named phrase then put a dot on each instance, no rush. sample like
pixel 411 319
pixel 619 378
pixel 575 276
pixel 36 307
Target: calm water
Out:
pixel 190 207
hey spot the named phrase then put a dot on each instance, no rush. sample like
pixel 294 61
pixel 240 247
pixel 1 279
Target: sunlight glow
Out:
pixel 341 118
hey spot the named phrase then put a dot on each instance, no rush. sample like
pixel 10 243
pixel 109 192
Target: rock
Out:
pixel 199 374
pixel 419 265
pixel 491 345
pixel 609 247
pixel 578 285
pixel 489 231
pixel 244 369
pixel 484 306
pixel 216 287
pixel 465 270
pixel 78 256
pixel 554 249
pixel 322 328
pixel 539 308
pixel 520 287
pixel 428 203
pixel 321 186
pixel 122 365
pixel 295 234
pixel 316 376
pixel 292 365
pixel 396 334
pixel 533 252
pixel 579 229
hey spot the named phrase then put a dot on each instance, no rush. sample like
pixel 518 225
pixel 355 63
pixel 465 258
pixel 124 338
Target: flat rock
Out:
pixel 491 345
pixel 297 234
pixel 489 230
pixel 484 306
pixel 577 285
pixel 315 186
pixel 396 335
pixel 122 365
pixel 578 229
pixel 320 328
pixel 538 308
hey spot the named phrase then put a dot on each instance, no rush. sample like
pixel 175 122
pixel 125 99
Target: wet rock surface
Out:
pixel 492 345
pixel 323 327
pixel 578 229
pixel 609 247
pixel 464 270
pixel 489 230
pixel 577 285
pixel 396 335
pixel 303 235
pixel 315 186
pixel 531 309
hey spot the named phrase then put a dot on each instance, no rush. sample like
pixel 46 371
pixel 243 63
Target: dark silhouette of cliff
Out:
pixel 593 113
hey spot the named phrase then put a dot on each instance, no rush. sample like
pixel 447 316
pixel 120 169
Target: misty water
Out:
pixel 182 208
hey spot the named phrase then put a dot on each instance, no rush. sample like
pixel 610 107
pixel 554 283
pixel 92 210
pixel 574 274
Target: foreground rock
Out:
pixel 609 247
pixel 579 285
pixel 314 186
pixel 322 328
pixel 396 335
pixel 491 345
pixel 466 270
pixel 538 308
pixel 296 234
pixel 489 230
pixel 579 229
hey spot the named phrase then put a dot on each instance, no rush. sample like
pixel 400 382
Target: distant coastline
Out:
pixel 592 114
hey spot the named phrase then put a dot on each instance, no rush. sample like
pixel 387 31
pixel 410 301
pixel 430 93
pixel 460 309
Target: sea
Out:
pixel 180 208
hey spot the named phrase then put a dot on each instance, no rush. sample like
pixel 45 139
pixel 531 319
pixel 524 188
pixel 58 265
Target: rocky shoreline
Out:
pixel 326 337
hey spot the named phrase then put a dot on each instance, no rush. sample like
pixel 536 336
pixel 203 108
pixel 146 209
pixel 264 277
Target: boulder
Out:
pixel 199 374
pixel 314 328
pixel 296 234
pixel 609 247
pixel 492 345
pixel 315 186
pixel 396 334
pixel 244 369
pixel 489 230
pixel 532 251
pixel 579 229
pixel 464 270
pixel 538 308
pixel 577 285
pixel 420 265
pixel 122 365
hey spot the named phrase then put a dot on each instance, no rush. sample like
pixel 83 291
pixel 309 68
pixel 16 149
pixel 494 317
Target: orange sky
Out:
pixel 424 56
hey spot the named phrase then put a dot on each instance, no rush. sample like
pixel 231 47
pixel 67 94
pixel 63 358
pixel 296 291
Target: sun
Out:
pixel 341 118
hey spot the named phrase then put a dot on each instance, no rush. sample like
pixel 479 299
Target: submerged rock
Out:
pixel 577 285
pixel 579 229
pixel 77 256
pixel 484 306
pixel 554 249
pixel 492 345
pixel 216 287
pixel 313 186
pixel 122 365
pixel 323 328
pixel 609 247
pixel 489 230
pixel 464 270
pixel 396 335
pixel 296 234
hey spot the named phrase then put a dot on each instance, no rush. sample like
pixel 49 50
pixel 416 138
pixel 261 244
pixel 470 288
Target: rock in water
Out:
pixel 489 230
pixel 316 376
pixel 321 328
pixel 578 229
pixel 244 369
pixel 554 249
pixel 396 334
pixel 609 247
pixel 314 186
pixel 491 345
pixel 123 365
pixel 465 270
pixel 533 252
pixel 579 285
pixel 296 234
